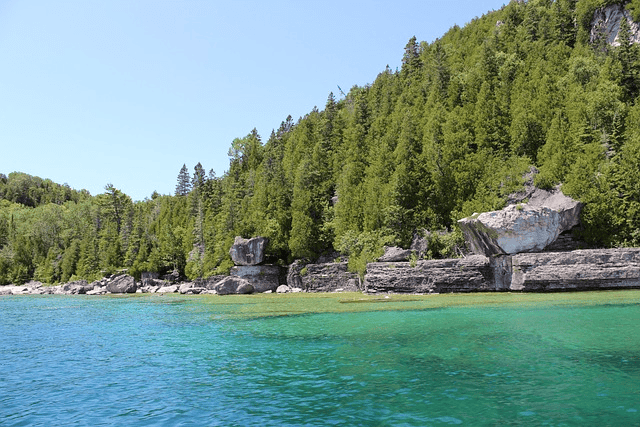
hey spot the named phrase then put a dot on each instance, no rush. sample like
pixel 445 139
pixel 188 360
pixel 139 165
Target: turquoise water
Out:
pixel 178 361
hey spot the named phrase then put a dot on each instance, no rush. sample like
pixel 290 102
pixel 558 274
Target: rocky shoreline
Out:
pixel 515 251
pixel 579 270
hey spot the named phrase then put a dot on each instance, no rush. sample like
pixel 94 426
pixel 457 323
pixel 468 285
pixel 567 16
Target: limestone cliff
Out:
pixel 606 22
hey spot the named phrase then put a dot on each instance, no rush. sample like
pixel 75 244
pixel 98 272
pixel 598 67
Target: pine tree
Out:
pixel 199 177
pixel 184 182
pixel 628 56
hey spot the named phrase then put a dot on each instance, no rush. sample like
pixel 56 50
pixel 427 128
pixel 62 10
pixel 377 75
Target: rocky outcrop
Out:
pixel 209 282
pixel 516 228
pixel 578 270
pixel 567 208
pixel 284 289
pixel 233 285
pixel 262 277
pixel 122 284
pixel 524 227
pixel 78 287
pixel 395 254
pixel 471 274
pixel 248 251
pixel 190 288
pixel 168 289
pixel 606 23
pixel 591 269
pixel 420 244
pixel 325 277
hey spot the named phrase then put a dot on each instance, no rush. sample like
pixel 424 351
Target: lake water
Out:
pixel 553 360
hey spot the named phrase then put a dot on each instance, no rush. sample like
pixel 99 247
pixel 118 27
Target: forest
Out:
pixel 449 133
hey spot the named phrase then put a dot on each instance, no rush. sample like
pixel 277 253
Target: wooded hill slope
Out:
pixel 450 133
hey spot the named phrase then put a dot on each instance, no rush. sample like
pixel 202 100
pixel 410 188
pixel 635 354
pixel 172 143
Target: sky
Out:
pixel 126 92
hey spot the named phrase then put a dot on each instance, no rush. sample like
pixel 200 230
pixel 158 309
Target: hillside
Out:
pixel 535 84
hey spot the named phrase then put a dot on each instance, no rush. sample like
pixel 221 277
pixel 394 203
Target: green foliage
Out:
pixel 363 248
pixel 449 134
pixel 445 244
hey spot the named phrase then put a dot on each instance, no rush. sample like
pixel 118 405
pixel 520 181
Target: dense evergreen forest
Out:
pixel 450 133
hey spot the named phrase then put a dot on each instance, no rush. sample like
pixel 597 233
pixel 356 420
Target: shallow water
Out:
pixel 493 359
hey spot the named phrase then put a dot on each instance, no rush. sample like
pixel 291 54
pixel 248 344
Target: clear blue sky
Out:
pixel 125 92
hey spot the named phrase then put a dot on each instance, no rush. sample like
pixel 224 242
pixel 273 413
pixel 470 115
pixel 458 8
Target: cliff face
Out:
pixel 606 22
pixel 528 272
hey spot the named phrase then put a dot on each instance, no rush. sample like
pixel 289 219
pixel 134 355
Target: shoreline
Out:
pixel 544 272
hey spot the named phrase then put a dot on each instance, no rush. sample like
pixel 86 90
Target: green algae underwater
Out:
pixel 266 305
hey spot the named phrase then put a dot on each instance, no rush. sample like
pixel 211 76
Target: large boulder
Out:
pixel 529 227
pixel 568 209
pixel 248 251
pixel 122 284
pixel 515 229
pixel 262 277
pixel 78 287
pixel 208 282
pixel 233 285
pixel 395 254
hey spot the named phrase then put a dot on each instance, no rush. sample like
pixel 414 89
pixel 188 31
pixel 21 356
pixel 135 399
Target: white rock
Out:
pixel 515 229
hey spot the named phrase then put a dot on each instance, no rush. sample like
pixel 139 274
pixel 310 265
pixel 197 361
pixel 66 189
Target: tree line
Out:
pixel 449 133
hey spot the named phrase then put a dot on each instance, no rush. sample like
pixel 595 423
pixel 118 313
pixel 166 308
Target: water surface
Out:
pixel 487 359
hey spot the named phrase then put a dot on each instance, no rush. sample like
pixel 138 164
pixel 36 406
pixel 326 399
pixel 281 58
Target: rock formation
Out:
pixel 246 255
pixel 568 209
pixel 78 287
pixel 122 284
pixel 248 251
pixel 520 228
pixel 262 277
pixel 578 270
pixel 606 23
pixel 516 228
pixel 591 269
pixel 470 274
pixel 233 285
pixel 324 277
pixel 395 254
